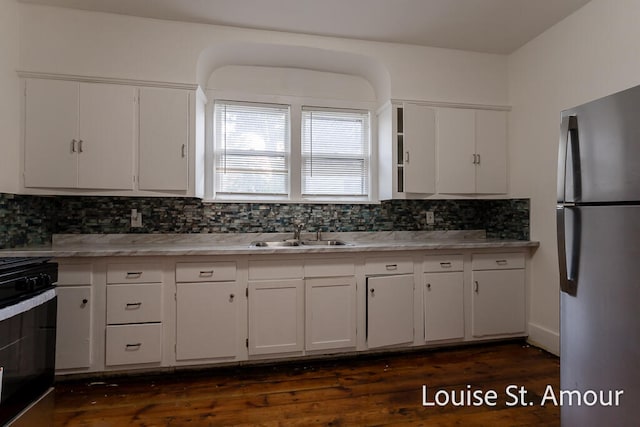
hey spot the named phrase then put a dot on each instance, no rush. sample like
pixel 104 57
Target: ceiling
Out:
pixel 492 26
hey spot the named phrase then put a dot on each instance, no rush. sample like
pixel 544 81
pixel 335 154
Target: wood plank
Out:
pixel 384 389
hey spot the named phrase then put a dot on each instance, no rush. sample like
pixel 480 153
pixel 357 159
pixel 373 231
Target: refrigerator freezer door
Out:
pixel 600 325
pixel 609 149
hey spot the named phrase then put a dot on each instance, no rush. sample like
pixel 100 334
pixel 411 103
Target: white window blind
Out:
pixel 335 153
pixel 251 149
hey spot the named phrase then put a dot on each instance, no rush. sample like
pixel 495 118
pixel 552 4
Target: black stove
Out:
pixel 22 278
pixel 28 306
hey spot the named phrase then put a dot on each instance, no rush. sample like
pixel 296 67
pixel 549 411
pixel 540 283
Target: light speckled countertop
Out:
pixel 94 245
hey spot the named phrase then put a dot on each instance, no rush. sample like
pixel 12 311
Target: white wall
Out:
pixel 77 42
pixel 9 97
pixel 592 53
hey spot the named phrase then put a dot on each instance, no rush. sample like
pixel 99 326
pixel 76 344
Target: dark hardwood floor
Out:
pixel 363 391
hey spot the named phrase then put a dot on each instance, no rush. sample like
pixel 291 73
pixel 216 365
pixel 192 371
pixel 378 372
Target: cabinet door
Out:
pixel 491 146
pixel 51 110
pixel 419 149
pixel 73 331
pixel 389 310
pixel 498 302
pixel 107 120
pixel 207 322
pixel 276 316
pixel 164 139
pixel 443 306
pixel 330 313
pixel 456 149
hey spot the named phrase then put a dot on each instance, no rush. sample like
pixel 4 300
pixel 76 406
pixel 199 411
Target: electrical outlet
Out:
pixel 136 218
pixel 431 218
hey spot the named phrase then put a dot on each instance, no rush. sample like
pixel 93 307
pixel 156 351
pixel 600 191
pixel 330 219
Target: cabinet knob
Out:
pixel 373 292
pixel 429 286
pixel 231 297
pixel 85 301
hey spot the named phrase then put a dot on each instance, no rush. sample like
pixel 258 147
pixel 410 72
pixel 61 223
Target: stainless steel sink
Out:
pixel 290 243
pixel 324 243
pixel 274 244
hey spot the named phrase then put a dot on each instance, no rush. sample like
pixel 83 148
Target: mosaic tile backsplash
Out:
pixel 31 220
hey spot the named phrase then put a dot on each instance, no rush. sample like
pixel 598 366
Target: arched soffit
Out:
pixel 274 55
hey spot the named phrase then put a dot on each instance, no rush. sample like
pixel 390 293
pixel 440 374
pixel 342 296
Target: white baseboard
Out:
pixel 544 338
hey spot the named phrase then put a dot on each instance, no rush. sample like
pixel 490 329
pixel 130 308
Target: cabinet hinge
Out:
pixel 246 342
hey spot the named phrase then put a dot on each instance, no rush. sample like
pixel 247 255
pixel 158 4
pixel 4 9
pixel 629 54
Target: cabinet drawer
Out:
pixel 75 274
pixel 379 266
pixel 503 261
pixel 329 268
pixel 133 344
pixel 134 273
pixel 282 269
pixel 205 271
pixel 139 303
pixel 443 263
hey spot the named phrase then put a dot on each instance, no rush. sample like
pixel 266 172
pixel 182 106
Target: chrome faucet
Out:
pixel 297 230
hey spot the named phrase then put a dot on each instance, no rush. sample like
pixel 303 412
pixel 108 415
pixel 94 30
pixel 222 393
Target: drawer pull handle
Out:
pixel 207 273
pixel 391 266
pixel 445 264
pixel 476 287
pixel 134 304
pixel 501 261
pixel 134 346
pixel 134 274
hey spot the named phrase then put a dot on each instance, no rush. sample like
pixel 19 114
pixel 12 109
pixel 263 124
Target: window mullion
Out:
pixel 295 158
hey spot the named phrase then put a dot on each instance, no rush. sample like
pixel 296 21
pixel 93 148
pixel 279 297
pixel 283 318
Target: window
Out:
pixel 251 150
pixel 335 153
pixel 275 152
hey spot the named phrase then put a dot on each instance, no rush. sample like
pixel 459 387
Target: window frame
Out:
pixel 296 105
pixel 366 159
pixel 222 196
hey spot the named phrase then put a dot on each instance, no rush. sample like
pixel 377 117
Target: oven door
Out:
pixel 27 352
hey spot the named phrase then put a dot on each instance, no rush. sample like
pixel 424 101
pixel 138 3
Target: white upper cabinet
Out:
pixel 472 151
pixel 407 151
pixel 51 132
pixel 419 149
pixel 79 135
pixel 164 139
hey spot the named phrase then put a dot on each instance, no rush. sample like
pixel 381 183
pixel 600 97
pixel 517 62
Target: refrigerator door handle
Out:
pixel 569 141
pixel 568 272
pixel 562 159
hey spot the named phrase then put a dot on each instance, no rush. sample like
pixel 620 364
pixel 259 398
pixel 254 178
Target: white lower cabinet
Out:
pixel 330 313
pixel 389 310
pixel 206 320
pixel 134 313
pixel 74 330
pixel 133 344
pixel 443 297
pixel 74 324
pixel 443 306
pixel 498 295
pixel 207 310
pixel 276 316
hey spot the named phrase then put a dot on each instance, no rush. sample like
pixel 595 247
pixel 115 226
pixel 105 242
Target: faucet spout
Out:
pixel 297 230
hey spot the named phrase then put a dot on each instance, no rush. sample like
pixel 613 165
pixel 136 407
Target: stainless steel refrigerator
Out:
pixel 598 219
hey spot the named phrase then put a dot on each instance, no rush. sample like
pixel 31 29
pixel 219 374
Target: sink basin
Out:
pixel 324 243
pixel 274 244
pixel 290 243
